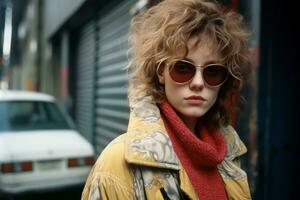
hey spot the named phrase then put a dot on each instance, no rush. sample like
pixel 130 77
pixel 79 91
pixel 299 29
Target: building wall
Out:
pixel 2 23
pixel 278 109
pixel 27 65
pixel 87 57
pixel 57 12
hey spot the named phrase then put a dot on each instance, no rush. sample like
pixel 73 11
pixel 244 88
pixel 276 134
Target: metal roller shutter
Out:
pixel 112 110
pixel 85 80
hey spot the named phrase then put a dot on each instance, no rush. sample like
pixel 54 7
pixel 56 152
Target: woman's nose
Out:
pixel 197 82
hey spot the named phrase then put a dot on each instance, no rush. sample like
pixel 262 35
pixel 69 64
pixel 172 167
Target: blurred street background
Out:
pixel 76 50
pixel 62 194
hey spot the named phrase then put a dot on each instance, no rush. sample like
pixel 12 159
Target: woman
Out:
pixel 187 56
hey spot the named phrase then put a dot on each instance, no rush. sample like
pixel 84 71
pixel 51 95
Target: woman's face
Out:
pixel 194 98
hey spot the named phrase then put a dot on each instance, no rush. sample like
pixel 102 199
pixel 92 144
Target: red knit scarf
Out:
pixel 199 156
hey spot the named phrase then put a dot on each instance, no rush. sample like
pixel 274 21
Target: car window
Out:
pixel 31 115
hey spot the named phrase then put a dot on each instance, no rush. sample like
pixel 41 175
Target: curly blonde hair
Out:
pixel 160 36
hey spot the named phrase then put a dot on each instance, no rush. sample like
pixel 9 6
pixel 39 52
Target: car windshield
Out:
pixel 31 115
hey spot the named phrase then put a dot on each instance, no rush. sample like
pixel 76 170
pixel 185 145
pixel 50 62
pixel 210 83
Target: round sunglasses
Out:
pixel 184 71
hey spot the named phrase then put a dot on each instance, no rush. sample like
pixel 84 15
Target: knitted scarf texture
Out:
pixel 199 154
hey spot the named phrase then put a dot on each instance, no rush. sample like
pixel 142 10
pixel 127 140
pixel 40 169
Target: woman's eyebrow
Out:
pixel 206 63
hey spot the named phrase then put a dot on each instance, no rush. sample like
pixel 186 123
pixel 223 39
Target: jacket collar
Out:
pixel 147 142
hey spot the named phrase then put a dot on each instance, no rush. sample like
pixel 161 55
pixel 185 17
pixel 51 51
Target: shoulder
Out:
pixel 112 160
pixel 111 175
pixel 235 146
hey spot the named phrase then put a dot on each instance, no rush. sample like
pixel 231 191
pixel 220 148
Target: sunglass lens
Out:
pixel 215 74
pixel 182 71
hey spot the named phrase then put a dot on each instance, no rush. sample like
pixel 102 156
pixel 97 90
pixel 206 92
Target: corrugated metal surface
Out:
pixel 85 80
pixel 112 110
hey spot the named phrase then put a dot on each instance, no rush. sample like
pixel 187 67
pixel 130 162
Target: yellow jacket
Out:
pixel 142 164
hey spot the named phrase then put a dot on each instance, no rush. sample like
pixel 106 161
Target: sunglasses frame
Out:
pixel 201 67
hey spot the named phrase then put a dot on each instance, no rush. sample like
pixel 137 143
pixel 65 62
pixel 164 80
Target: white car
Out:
pixel 39 145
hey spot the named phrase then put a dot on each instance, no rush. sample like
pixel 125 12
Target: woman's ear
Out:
pixel 160 74
pixel 161 79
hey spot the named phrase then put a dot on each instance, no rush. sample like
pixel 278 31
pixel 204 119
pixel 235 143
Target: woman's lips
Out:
pixel 195 100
